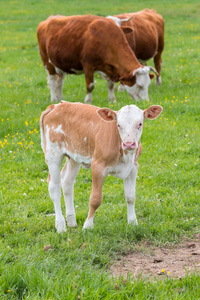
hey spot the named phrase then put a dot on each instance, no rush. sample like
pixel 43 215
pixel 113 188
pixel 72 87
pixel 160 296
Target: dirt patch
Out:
pixel 150 261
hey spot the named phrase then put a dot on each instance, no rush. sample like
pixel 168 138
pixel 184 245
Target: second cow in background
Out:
pixel 147 36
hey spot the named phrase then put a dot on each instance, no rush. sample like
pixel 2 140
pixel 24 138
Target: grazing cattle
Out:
pixel 86 135
pixel 147 36
pixel 88 44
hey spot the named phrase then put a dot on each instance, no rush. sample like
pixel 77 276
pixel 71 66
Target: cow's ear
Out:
pixel 106 114
pixel 151 75
pixel 126 29
pixel 152 112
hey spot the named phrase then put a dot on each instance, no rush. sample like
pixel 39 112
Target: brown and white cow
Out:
pixel 147 36
pixel 86 135
pixel 88 44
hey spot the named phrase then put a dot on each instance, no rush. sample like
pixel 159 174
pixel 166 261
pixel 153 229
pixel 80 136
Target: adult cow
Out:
pixel 147 36
pixel 87 136
pixel 88 44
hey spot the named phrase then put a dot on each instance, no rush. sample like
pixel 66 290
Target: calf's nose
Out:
pixel 129 145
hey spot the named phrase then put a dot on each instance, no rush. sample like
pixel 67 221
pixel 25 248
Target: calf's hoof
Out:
pixel 88 224
pixel 71 221
pixel 133 221
pixel 60 225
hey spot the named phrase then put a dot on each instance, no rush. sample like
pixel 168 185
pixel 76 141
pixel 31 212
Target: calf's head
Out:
pixel 130 120
pixel 138 82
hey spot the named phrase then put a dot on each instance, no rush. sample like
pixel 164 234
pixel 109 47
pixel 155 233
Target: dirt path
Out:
pixel 149 261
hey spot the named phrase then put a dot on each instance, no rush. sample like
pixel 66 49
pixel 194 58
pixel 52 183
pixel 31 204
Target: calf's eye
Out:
pixel 140 125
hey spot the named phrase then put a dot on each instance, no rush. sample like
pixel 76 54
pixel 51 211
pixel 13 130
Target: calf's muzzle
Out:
pixel 129 145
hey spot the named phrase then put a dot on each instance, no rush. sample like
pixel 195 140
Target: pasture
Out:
pixel 77 263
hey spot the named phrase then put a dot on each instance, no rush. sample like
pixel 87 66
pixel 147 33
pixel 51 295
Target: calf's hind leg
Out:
pixel 55 193
pixel 68 175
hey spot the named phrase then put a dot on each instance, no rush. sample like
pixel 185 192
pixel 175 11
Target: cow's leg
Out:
pixel 51 73
pixel 89 84
pixel 111 87
pixel 55 191
pixel 68 175
pixel 51 80
pixel 158 59
pixel 129 189
pixel 120 87
pixel 96 196
pixel 59 85
pixel 157 64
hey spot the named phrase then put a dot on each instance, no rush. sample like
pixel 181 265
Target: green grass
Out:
pixel 168 191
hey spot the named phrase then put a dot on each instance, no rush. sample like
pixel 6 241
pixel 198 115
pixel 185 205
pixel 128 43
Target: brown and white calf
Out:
pixel 86 135
pixel 88 44
pixel 147 36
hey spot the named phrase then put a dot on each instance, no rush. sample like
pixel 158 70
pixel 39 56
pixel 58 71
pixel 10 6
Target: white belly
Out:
pixel 86 161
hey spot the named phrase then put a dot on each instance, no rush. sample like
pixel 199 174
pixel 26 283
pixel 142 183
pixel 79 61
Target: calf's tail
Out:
pixel 44 113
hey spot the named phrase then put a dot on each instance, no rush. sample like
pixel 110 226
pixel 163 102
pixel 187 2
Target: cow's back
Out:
pixel 74 43
pixel 62 39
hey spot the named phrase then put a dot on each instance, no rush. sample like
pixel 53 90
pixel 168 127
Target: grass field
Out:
pixel 168 188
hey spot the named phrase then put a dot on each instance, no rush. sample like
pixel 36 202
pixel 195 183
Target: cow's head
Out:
pixel 130 120
pixel 138 81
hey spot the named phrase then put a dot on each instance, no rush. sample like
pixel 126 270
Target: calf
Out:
pixel 88 44
pixel 86 135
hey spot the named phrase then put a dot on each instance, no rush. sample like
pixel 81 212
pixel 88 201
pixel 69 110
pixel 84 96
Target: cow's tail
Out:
pixel 44 113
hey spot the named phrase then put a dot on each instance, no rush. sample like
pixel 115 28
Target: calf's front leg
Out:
pixel 96 196
pixel 129 189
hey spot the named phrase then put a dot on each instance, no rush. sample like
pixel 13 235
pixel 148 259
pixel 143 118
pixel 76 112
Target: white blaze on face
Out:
pixel 130 124
pixel 140 89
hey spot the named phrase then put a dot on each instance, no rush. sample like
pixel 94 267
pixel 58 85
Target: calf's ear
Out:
pixel 106 114
pixel 152 112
